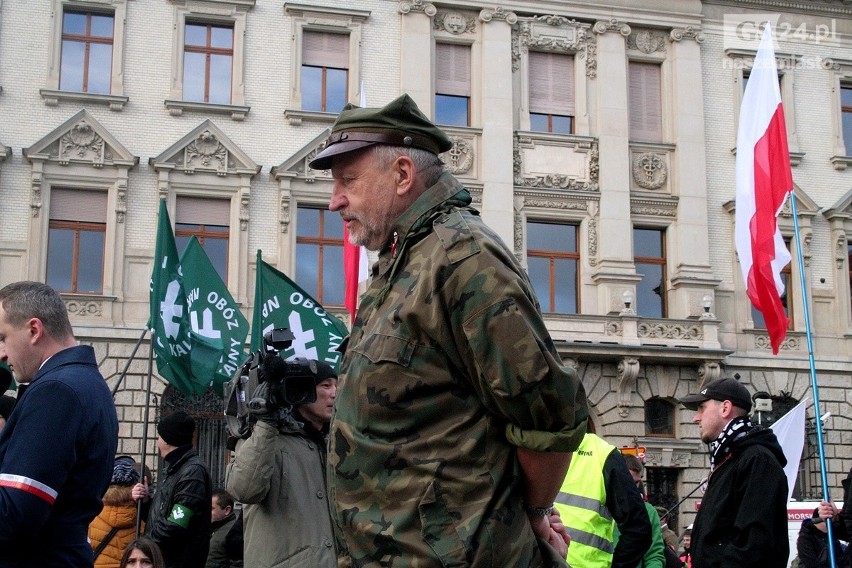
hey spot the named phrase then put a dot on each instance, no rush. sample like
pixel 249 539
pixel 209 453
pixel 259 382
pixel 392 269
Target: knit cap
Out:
pixel 176 429
pixel 124 471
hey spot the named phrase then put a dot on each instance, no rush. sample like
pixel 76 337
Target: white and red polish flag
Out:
pixel 355 271
pixel 764 181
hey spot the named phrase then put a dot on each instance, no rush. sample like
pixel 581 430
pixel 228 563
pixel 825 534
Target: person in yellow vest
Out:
pixel 598 493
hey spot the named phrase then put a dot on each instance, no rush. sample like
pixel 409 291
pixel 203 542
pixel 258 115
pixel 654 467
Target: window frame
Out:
pixel 321 242
pixel 51 93
pixel 551 255
pixel 210 13
pixel 208 51
pixel 550 116
pixel 662 102
pixel 468 98
pixel 86 39
pixel 322 19
pixel 76 226
pixel 661 261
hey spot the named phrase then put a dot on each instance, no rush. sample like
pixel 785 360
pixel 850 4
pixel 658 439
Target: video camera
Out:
pixel 289 382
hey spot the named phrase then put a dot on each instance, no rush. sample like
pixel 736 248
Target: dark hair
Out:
pixel 633 463
pixel 148 547
pixel 24 300
pixel 223 498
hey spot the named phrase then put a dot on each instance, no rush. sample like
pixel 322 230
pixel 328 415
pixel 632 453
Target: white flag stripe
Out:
pixel 790 431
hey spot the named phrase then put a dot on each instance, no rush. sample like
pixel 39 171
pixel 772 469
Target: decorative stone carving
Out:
pixel 807 241
pixel 407 6
pixel 454 22
pixel 708 371
pixel 459 158
pixel 653 210
pixel 499 13
pixel 570 36
pixel 614 328
pixel 205 150
pixel 660 330
pixel 650 170
pixel 121 201
pixel 611 25
pixel 628 370
pixel 244 212
pixel 647 41
pixel 666 457
pixel 789 344
pixel 285 212
pixel 84 308
pixel 555 180
pixel 593 240
pixel 688 32
pixel 82 143
pixel 840 250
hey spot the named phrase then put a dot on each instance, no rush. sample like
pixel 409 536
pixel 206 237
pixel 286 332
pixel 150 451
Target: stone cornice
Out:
pixel 831 7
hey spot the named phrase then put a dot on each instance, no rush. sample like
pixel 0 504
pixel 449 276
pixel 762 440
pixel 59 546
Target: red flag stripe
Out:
pixel 29 485
pixel 351 261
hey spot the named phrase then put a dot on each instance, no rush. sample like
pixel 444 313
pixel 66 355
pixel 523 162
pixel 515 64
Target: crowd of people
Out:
pixel 451 435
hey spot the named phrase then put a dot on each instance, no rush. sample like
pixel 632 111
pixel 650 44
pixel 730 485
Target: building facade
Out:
pixel 599 140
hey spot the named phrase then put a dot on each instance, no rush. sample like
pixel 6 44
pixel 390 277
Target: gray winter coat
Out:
pixel 280 479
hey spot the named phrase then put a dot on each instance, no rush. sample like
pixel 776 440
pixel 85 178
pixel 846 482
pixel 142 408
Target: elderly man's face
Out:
pixel 365 196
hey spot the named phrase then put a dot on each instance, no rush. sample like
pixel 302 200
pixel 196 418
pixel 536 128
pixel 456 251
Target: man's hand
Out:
pixel 827 510
pixel 140 490
pixel 551 530
pixel 266 412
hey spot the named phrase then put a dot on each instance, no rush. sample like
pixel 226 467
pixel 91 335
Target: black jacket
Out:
pixel 812 546
pixel 179 516
pixel 742 521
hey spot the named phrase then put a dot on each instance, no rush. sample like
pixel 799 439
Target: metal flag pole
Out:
pixel 129 360
pixel 145 432
pixel 812 364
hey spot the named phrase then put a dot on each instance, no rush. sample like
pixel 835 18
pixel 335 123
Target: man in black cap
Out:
pixel 743 516
pixel 178 518
pixel 455 420
pixel 278 474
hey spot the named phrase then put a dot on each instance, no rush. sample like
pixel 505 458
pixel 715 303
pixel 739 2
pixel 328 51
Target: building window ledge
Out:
pixel 840 163
pixel 54 97
pixel 296 117
pixel 176 108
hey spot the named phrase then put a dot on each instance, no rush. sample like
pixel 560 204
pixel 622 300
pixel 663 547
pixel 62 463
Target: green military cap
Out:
pixel 399 123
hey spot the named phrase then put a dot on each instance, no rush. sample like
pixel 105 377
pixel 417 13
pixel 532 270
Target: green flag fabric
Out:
pixel 213 313
pixel 187 360
pixel 280 302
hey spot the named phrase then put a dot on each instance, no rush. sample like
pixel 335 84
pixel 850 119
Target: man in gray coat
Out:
pixel 278 474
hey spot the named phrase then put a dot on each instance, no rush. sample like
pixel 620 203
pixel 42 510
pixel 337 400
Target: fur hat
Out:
pixel 176 429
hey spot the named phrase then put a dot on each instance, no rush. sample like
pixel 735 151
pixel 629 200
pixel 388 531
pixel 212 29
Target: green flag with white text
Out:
pixel 280 302
pixel 213 313
pixel 185 359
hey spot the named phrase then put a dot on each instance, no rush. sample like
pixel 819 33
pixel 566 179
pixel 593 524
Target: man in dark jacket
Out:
pixel 222 523
pixel 743 516
pixel 58 447
pixel 178 519
pixel 841 521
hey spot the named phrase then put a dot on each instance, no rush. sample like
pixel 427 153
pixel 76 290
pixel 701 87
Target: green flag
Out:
pixel 185 359
pixel 213 313
pixel 279 302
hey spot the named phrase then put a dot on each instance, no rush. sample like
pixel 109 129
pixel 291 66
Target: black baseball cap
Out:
pixel 720 389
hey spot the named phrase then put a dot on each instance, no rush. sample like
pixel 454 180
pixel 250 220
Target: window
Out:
pixel 208 55
pixel 661 487
pixel 86 52
pixel 787 278
pixel 75 242
pixel 646 112
pixel 659 418
pixel 207 220
pixel 846 116
pixel 552 258
pixel 452 84
pixel 319 255
pixel 551 92
pixel 325 77
pixel 649 256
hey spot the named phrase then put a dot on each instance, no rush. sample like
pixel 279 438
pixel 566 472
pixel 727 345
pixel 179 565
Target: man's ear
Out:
pixel 404 173
pixel 35 328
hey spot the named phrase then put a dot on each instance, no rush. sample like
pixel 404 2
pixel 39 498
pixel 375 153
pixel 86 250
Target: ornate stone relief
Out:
pixel 459 158
pixel 653 208
pixel 660 330
pixel 555 180
pixel 840 250
pixel 708 371
pixel 566 36
pixel 626 374
pixel 407 6
pixel 84 308
pixel 592 231
pixel 454 22
pixel 82 143
pixel 499 13
pixel 285 211
pixel 650 170
pixel 647 41
pixel 614 328
pixel 611 25
pixel 688 32
pixel 204 151
pixel 789 344
pixel 657 457
pixel 121 202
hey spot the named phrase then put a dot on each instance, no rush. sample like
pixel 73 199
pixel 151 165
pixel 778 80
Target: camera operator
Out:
pixel 278 473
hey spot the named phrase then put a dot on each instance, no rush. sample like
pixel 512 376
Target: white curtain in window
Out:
pixel 82 205
pixel 646 107
pixel 202 211
pixel 551 83
pixel 321 49
pixel 452 69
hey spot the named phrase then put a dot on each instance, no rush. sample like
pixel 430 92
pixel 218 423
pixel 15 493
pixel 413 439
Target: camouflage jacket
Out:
pixel 449 367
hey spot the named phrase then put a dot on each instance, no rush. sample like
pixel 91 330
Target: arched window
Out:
pixel 659 418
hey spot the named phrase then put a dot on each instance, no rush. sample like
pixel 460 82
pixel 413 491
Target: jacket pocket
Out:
pixel 380 348
pixel 439 530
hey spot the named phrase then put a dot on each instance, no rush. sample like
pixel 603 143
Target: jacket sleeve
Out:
pixel 190 499
pixel 36 462
pixel 655 557
pixel 628 511
pixel 806 546
pixel 250 474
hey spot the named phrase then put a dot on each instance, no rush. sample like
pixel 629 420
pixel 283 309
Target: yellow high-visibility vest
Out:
pixel 582 504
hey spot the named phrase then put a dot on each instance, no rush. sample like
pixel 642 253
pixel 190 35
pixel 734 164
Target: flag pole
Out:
pixel 145 431
pixel 129 360
pixel 812 365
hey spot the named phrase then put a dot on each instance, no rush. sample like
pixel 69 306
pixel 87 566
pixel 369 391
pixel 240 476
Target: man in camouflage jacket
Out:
pixel 454 413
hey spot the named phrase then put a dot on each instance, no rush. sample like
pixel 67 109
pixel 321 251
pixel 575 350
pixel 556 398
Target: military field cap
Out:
pixel 720 389
pixel 399 123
